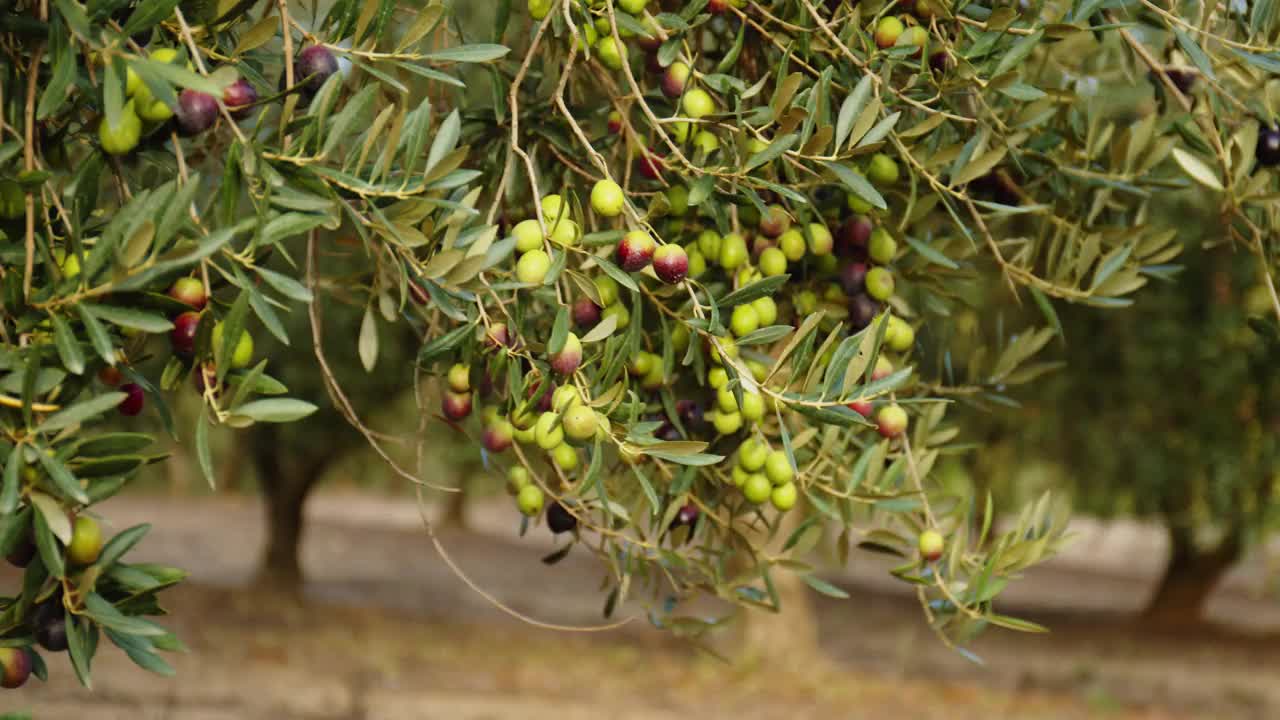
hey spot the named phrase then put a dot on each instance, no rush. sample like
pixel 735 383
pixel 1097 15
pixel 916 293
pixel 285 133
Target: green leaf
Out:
pixel 559 331
pixel 754 291
pixel 203 457
pixel 446 140
pixel 930 254
pixel 624 279
pixel 285 285
pixel 278 410
pixel 139 651
pixel 445 343
pixel 106 614
pixel 770 153
pixel 62 477
pixel 97 335
pixel 765 335
pixel 477 53
pixel 1018 52
pixel 1197 169
pixel 122 543
pixel 64 69
pixel 176 75
pixel 1194 52
pixel 132 318
pixel 12 482
pixel 856 183
pixel 825 587
pixel 852 106
pixel 80 649
pixel 80 412
pixel 880 130
pixel 148 14
pixel 69 351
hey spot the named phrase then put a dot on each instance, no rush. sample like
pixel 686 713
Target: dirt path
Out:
pixel 390 633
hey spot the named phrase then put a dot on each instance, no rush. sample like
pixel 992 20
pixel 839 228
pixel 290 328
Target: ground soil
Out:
pixel 385 630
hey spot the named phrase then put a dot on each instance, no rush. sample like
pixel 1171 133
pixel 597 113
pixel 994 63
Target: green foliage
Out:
pixel 994 147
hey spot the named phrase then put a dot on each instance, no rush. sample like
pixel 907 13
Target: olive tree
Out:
pixel 684 269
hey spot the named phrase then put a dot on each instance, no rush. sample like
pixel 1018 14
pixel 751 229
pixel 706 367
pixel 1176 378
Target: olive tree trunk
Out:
pixel 285 488
pixel 790 635
pixel 1190 578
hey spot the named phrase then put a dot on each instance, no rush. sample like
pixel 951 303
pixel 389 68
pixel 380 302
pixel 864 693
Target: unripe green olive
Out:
pixel 881 247
pixel 528 235
pixel 698 103
pixel 530 500
pixel 733 251
pixel 752 407
pixel 547 432
pixel 122 137
pixel 242 355
pixel 756 489
pixel 745 320
pixel 607 198
pixel 607 287
pixel 610 53
pixel 784 497
pixel 752 454
pixel 792 244
pixel 882 170
pixel 777 467
pixel 766 310
pixel 532 267
pixel 565 456
pixel 773 261
pixel 727 423
pixel 86 541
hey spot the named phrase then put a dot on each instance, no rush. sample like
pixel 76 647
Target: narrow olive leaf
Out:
pixel 856 183
pixel 1046 308
pixel 204 458
pixel 770 153
pixel 79 648
pixel 46 542
pixel 624 279
pixel 367 345
pixel 1016 624
pixel 754 291
pixel 446 140
pixel 825 587
pixel 602 330
pixel 1193 51
pixel 9 491
pixel 1197 169
pixel 139 651
pixel 930 254
pixel 54 515
pixel 258 35
pixel 851 108
pixel 1112 262
pixel 1020 50
pixel 69 351
pixel 148 14
pixel 477 53
pixel 64 69
pixel 765 335
pixel 445 343
pixel 148 322
pixel 701 189
pixel 880 130
pixel 423 24
pixel 106 614
pixel 278 410
pixel 122 543
pixel 80 412
pixel 356 109
pixel 285 285
pixel 62 478
pixel 97 335
pixel 559 331
pixel 178 76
